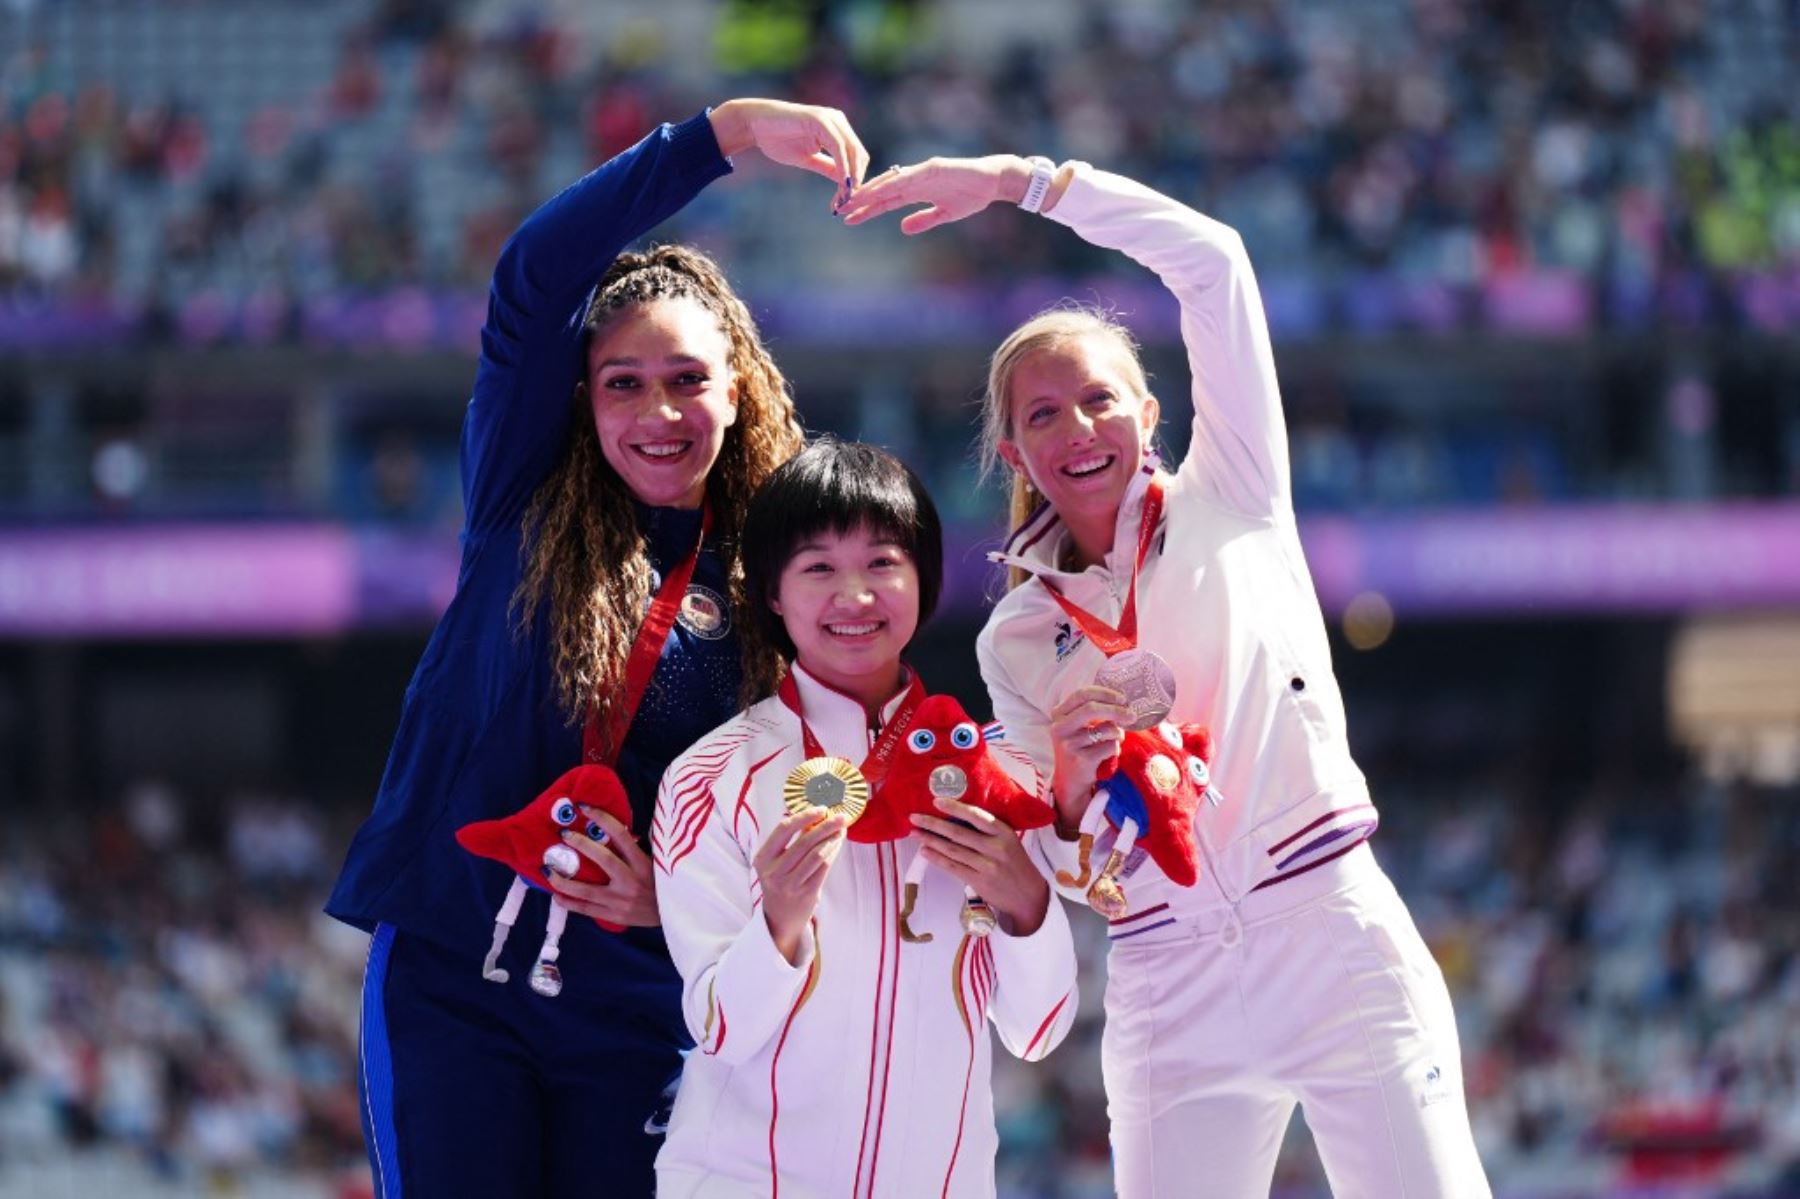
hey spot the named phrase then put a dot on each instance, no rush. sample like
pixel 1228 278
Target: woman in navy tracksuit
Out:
pixel 621 400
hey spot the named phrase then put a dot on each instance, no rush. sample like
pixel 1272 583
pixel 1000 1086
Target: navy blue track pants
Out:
pixel 487 1090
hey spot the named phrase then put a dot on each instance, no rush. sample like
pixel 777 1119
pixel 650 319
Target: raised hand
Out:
pixel 814 139
pixel 1086 729
pixel 792 866
pixel 950 189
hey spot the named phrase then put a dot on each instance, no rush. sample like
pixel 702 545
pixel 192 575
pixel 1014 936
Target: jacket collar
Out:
pixel 1037 545
pixel 837 719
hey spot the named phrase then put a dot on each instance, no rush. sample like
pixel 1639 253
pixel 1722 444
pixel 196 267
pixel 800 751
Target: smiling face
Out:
pixel 1078 427
pixel 850 603
pixel 663 395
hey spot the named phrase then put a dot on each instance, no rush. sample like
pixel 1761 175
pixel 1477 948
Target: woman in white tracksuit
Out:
pixel 837 1058
pixel 1292 972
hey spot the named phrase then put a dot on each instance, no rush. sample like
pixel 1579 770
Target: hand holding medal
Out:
pixel 791 867
pixel 830 783
pixel 1133 690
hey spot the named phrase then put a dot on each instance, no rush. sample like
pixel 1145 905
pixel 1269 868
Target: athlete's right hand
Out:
pixel 792 866
pixel 1086 729
pixel 814 139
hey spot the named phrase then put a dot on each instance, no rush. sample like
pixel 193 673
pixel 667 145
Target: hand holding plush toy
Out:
pixel 945 756
pixel 530 841
pixel 1148 794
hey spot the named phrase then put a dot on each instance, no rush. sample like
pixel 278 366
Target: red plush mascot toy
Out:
pixel 530 841
pixel 1147 795
pixel 945 756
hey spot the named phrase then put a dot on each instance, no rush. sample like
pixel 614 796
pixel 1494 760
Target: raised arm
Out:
pixel 1239 447
pixel 1238 452
pixel 531 341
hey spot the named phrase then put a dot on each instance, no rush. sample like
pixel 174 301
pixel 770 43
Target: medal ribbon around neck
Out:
pixel 599 746
pixel 1106 638
pixel 875 766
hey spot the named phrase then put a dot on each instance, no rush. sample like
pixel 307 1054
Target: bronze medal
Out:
pixel 1146 682
pixel 828 783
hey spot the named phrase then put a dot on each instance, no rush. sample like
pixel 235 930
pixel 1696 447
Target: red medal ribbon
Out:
pixel 875 766
pixel 1106 638
pixel 601 747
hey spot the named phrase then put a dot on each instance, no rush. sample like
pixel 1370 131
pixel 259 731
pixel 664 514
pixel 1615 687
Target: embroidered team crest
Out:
pixel 704 613
pixel 1068 639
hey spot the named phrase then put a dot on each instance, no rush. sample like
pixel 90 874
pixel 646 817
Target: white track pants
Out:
pixel 1324 996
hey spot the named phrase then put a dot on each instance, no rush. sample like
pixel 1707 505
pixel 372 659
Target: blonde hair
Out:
pixel 1052 327
pixel 584 556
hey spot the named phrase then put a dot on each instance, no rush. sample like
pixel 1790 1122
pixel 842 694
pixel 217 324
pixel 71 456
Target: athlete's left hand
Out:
pixel 628 896
pixel 985 854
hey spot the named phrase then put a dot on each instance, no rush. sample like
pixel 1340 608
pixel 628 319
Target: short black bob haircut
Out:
pixel 835 487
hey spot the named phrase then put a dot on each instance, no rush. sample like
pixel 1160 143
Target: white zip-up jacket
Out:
pixel 864 1069
pixel 1224 597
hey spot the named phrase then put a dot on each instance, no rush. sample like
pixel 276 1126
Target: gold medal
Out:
pixel 829 783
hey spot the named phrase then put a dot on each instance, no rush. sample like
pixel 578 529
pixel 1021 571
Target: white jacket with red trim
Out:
pixel 1225 596
pixel 864 1069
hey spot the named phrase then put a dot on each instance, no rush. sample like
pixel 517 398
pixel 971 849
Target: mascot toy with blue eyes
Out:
pixel 945 756
pixel 530 841
pixel 1146 798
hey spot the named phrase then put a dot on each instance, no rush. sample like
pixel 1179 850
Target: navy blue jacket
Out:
pixel 480 731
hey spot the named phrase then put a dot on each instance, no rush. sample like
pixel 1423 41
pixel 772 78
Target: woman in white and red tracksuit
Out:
pixel 834 1057
pixel 1292 972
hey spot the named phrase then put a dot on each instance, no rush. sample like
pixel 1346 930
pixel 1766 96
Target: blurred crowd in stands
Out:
pixel 1613 162
pixel 169 986
pixel 1626 967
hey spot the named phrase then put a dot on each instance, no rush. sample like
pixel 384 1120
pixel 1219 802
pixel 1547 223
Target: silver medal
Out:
pixel 948 782
pixel 1146 682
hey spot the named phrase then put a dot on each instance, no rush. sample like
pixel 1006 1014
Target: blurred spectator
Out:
pixel 1632 150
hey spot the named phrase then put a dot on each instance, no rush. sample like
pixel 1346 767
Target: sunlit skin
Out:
pixel 663 395
pixel 850 602
pixel 1079 432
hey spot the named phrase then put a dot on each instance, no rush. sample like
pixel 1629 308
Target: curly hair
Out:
pixel 582 550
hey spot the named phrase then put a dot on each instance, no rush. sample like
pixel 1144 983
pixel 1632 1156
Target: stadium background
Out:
pixel 1534 276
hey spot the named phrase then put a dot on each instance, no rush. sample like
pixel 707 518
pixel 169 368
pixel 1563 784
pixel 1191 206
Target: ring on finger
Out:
pixel 1094 735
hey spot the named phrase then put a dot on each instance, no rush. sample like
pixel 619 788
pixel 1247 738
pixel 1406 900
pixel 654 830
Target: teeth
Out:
pixel 852 630
pixel 663 449
pixel 1088 466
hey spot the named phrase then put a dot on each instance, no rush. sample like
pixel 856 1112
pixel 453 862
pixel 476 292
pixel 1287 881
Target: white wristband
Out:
pixel 1039 187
